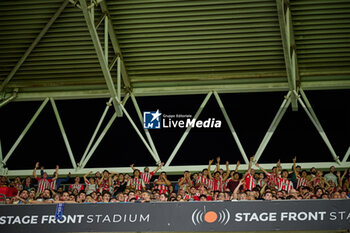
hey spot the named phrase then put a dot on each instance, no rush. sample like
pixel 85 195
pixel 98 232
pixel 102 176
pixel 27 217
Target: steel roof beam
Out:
pixel 33 45
pixel 102 92
pixel 101 56
pixel 288 42
pixel 115 45
pixel 180 169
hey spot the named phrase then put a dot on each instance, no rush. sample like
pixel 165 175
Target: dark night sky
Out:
pixel 250 113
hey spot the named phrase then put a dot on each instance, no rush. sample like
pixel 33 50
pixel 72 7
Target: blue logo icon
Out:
pixel 151 120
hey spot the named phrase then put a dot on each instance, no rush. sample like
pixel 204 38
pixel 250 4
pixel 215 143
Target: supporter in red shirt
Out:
pixel 185 182
pixel 105 183
pixel 250 182
pixel 163 184
pixel 76 185
pixel 136 183
pixel 217 181
pixel 43 183
pixel 146 176
pixel 203 179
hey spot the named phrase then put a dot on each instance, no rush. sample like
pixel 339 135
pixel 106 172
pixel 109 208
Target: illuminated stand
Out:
pixel 117 96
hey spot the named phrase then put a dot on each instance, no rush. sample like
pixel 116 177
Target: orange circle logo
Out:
pixel 210 217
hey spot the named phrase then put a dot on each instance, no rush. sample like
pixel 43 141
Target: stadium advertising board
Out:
pixel 179 216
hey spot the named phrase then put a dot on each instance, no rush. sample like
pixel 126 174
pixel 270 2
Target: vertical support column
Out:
pixel 64 135
pixel 280 113
pixel 148 135
pixel 108 104
pixel 182 139
pixel 311 114
pixel 233 131
pixel 30 123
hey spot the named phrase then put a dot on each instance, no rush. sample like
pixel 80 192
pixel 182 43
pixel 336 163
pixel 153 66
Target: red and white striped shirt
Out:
pixel 186 197
pixel 76 186
pixel 104 185
pixel 271 177
pixel 43 184
pixel 284 184
pixel 203 180
pixel 161 187
pixel 136 183
pixel 250 182
pixel 217 184
pixel 301 182
pixel 53 184
pixel 146 176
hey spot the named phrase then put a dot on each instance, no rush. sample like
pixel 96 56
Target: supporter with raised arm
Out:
pixel 55 184
pixel 271 176
pixel 233 181
pixel 136 183
pixel 250 182
pixel 217 180
pixel 90 184
pixel 146 175
pixel 301 180
pixel 105 182
pixel 44 182
pixel 341 178
pixel 236 191
pixel 282 182
pixel 163 184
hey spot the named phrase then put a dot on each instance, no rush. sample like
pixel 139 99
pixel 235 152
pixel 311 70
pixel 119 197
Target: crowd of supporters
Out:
pixel 207 185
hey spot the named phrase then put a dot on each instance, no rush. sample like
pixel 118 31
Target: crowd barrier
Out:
pixel 178 216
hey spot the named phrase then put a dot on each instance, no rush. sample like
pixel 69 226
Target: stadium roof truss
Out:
pixel 120 50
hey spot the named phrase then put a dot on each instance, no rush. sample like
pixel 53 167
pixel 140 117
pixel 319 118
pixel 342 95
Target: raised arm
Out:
pixel 209 172
pixel 217 167
pixel 237 165
pixel 56 174
pixel 250 164
pixel 159 167
pixel 262 169
pixel 132 167
pixel 341 178
pixel 227 171
pixel 294 167
pixel 87 174
pixel 278 165
pixel 263 189
pixel 235 192
pixel 34 171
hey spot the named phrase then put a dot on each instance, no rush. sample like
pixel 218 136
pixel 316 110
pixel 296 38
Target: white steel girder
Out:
pixel 180 169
